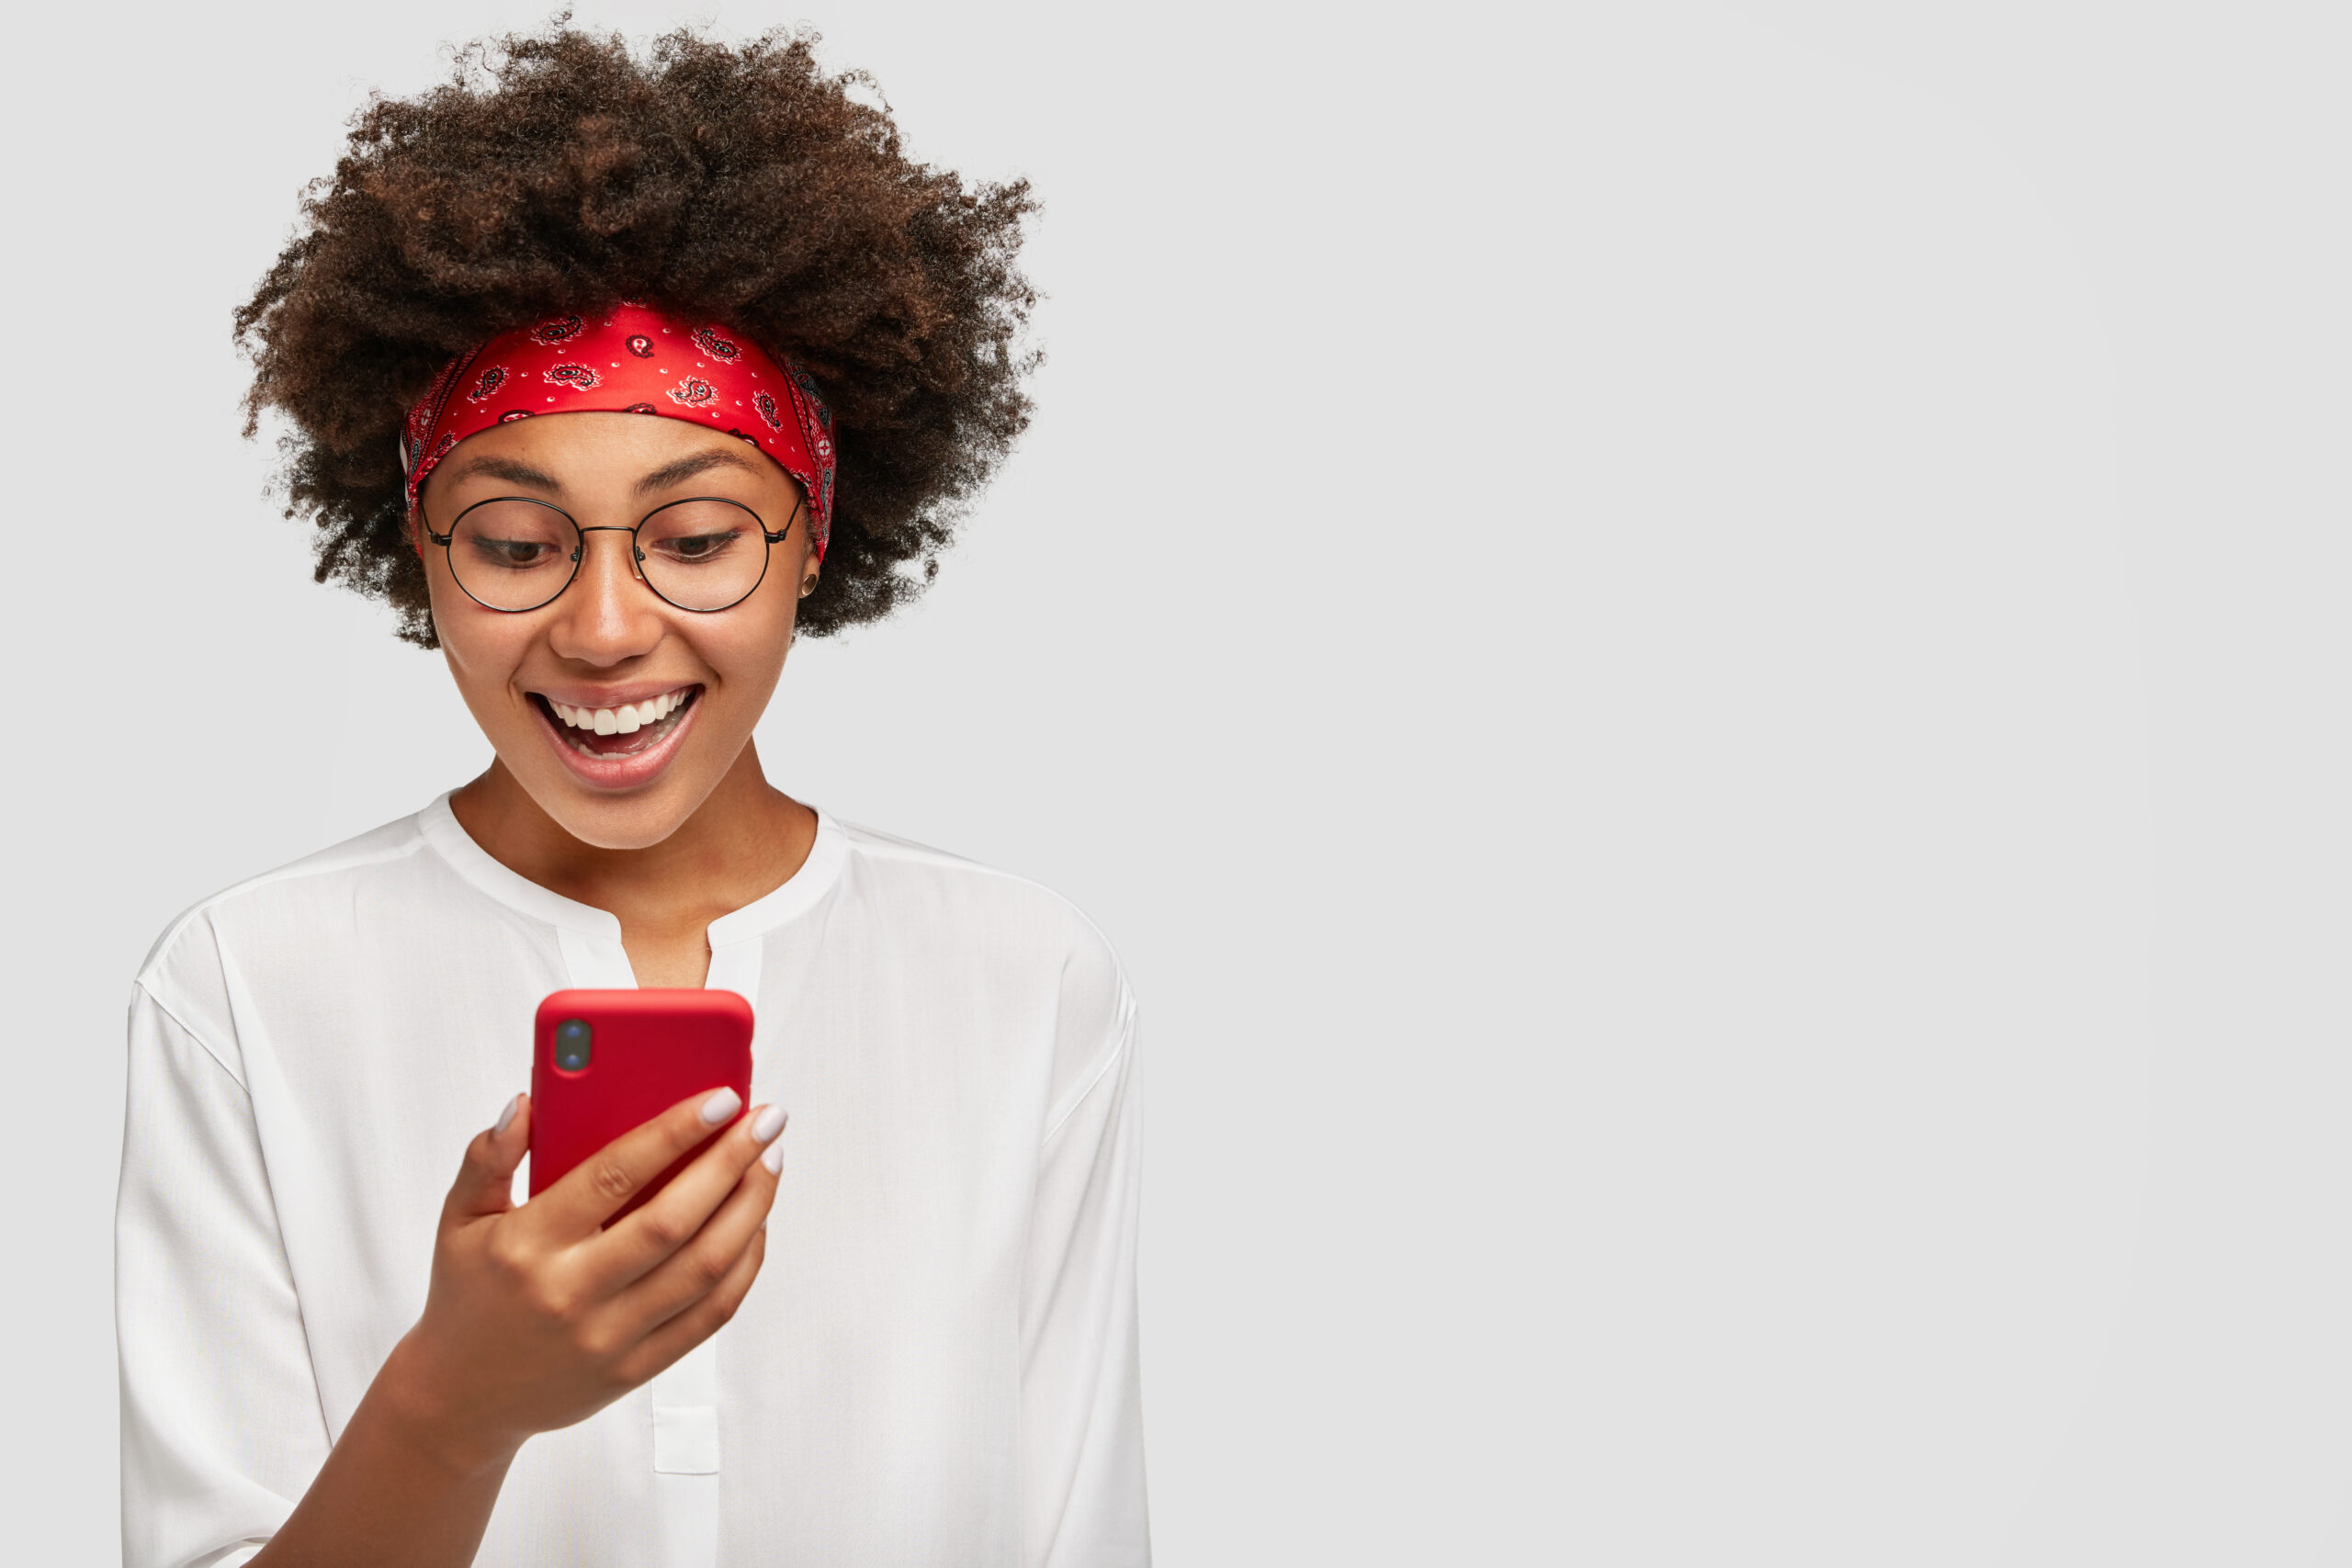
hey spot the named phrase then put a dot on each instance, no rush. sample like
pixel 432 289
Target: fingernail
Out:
pixel 767 1124
pixel 720 1106
pixel 506 1117
pixel 774 1159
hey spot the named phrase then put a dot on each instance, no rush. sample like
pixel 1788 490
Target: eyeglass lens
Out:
pixel 513 554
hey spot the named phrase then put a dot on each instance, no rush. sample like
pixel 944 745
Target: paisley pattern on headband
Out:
pixel 633 360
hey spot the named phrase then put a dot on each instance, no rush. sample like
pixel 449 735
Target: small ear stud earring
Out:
pixel 809 585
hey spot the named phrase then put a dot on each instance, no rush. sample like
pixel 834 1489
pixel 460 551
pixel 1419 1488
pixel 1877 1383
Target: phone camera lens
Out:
pixel 572 1038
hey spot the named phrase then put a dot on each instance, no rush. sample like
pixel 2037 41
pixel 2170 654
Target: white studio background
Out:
pixel 1697 656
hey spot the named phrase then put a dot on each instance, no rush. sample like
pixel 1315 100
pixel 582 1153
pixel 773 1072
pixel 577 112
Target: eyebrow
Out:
pixel 662 478
pixel 508 469
pixel 685 468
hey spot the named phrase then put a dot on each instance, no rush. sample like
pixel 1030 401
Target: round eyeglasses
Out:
pixel 703 553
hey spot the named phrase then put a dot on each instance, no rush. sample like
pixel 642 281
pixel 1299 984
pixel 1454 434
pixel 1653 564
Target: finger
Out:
pixel 699 1322
pixel 680 1212
pixel 695 1270
pixel 589 1193
pixel 485 1183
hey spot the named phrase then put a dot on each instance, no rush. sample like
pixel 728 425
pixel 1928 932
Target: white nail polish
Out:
pixel 719 1106
pixel 506 1117
pixel 774 1159
pixel 767 1124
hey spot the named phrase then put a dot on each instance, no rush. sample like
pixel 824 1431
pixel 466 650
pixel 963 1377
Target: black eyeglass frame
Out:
pixel 636 563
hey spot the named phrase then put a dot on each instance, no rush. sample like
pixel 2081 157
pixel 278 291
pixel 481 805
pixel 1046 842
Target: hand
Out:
pixel 537 1318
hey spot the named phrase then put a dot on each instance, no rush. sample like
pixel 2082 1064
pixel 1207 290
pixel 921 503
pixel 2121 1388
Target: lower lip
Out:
pixel 633 770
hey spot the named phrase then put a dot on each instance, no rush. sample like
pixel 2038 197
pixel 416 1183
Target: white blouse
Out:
pixel 937 1364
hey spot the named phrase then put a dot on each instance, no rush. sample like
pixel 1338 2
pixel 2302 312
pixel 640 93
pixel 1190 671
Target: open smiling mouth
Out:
pixel 623 730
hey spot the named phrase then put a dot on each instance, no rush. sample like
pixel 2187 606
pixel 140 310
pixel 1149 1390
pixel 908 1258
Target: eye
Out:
pixel 515 553
pixel 694 548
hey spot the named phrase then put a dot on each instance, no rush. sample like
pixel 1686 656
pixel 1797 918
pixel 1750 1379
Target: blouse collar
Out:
pixel 798 894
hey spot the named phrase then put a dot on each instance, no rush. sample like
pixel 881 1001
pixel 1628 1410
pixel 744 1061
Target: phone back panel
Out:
pixel 649 1049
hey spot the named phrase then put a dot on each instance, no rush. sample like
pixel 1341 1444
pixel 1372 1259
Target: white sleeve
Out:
pixel 1081 1405
pixel 221 1425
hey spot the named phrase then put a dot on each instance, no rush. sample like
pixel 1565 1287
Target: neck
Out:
pixel 742 842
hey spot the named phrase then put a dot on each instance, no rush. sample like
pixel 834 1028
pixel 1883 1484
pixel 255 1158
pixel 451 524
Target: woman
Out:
pixel 612 375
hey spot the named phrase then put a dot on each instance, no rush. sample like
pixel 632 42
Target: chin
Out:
pixel 637 820
pixel 621 830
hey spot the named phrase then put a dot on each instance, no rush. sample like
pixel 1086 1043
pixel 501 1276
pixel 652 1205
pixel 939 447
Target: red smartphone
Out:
pixel 603 1062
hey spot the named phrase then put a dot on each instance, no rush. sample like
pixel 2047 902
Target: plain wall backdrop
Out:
pixel 1697 656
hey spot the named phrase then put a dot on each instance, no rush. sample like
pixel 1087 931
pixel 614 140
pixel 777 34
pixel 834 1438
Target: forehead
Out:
pixel 589 454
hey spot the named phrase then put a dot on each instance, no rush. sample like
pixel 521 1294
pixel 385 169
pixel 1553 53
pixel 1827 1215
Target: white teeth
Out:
pixel 625 718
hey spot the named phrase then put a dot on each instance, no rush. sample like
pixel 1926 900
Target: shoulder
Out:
pixel 1001 902
pixel 186 972
pixel 1009 919
pixel 991 944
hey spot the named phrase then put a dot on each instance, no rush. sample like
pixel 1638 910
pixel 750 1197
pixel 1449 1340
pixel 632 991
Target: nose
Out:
pixel 607 615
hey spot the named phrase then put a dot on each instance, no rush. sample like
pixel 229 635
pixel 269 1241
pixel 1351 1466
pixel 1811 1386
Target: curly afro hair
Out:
pixel 561 173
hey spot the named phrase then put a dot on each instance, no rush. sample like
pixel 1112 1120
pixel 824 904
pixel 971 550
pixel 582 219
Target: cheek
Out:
pixel 482 651
pixel 757 634
pixel 746 654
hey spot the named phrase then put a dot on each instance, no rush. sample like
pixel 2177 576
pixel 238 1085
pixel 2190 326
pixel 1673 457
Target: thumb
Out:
pixel 485 1183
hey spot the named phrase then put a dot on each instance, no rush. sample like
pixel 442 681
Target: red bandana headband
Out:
pixel 633 360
